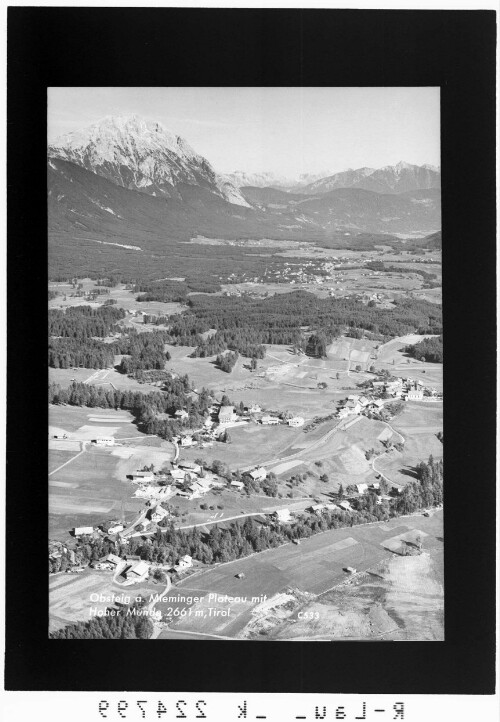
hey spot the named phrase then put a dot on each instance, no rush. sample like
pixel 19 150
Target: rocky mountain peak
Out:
pixel 141 154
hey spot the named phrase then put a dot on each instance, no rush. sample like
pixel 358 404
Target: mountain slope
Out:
pixel 399 178
pixel 353 209
pixel 345 179
pixel 142 155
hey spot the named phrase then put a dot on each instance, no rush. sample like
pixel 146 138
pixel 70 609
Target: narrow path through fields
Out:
pixel 68 462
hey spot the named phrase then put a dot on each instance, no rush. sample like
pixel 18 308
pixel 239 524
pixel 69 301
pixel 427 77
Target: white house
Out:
pixel 282 515
pixel 269 420
pixel 353 407
pixel 296 421
pixel 142 476
pixel 144 524
pixel 226 414
pixel 137 571
pixel 115 528
pixel 254 409
pixel 317 508
pixel 238 484
pixel 187 441
pixel 104 441
pixel 185 562
pixel 157 513
pixel 345 505
pixel 190 466
pixel 110 559
pixel 415 395
pixel 79 530
pixel 177 474
pixel 181 414
pixel 361 488
pixel 259 474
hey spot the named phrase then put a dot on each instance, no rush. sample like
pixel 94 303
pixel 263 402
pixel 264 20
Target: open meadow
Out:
pixel 71 595
pixel 250 445
pixel 418 423
pixel 124 299
pixel 314 567
pixel 92 486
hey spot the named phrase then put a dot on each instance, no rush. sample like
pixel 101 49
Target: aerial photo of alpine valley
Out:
pixel 245 364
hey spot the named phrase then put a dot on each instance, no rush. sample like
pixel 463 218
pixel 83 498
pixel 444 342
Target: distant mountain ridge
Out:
pixel 142 155
pixel 399 178
pixel 272 180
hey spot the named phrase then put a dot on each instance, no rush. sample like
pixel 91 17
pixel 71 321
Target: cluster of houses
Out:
pixel 406 389
pixel 356 404
pixel 186 478
pixel 224 417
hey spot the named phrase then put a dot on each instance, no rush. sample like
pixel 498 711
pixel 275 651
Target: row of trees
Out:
pixel 65 353
pixel 153 412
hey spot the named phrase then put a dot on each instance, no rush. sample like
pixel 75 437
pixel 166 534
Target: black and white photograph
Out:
pixel 251 259
pixel 245 364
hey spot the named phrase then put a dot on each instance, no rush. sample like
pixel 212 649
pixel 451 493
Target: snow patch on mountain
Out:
pixel 142 155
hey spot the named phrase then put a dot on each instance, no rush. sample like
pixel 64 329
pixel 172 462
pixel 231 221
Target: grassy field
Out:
pixel 103 377
pixel 58 457
pixel 314 567
pixel 70 595
pixel 250 445
pixel 400 599
pixel 234 503
pixel 93 486
pixel 124 299
pixel 418 423
pixel 79 422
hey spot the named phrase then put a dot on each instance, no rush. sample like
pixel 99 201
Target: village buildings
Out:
pixel 268 420
pixel 226 414
pixel 259 474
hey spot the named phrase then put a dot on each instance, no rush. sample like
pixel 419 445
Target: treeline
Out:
pixel 165 291
pixel 148 409
pixel 124 623
pixel 426 491
pixel 84 322
pixel 431 349
pixel 282 315
pixel 90 354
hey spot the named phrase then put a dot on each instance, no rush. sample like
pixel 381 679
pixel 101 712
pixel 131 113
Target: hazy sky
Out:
pixel 287 131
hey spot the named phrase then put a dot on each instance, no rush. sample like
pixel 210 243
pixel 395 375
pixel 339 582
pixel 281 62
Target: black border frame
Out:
pixel 100 47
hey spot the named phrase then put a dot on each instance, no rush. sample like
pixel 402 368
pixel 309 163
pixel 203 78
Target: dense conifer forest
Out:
pixel 431 349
